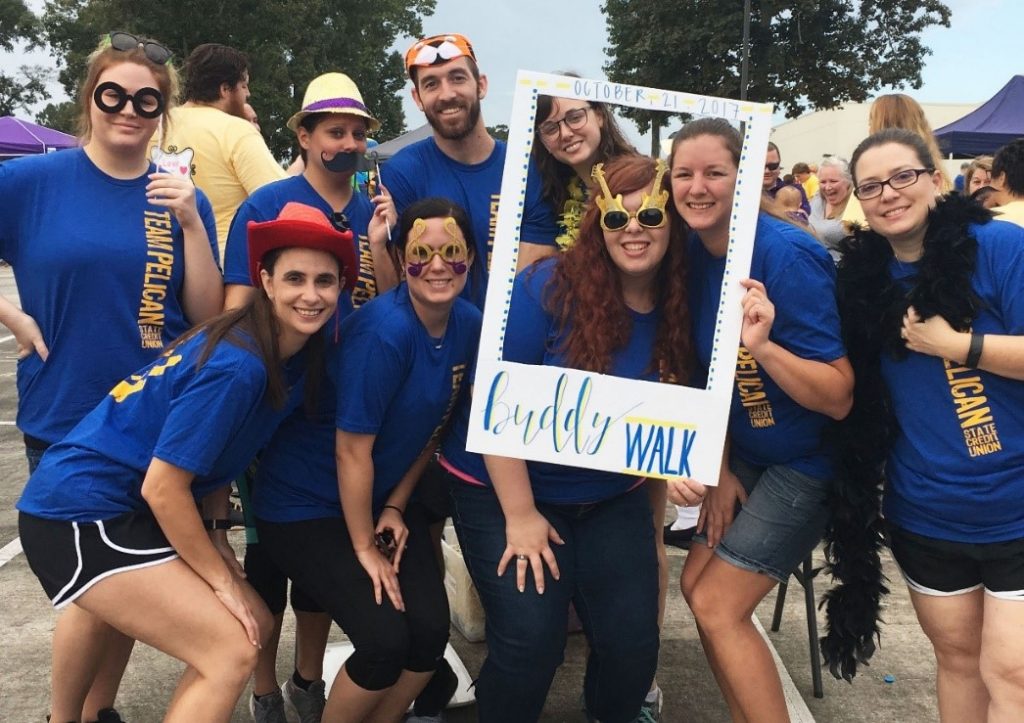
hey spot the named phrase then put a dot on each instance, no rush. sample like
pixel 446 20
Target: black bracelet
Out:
pixel 974 352
pixel 399 510
pixel 218 524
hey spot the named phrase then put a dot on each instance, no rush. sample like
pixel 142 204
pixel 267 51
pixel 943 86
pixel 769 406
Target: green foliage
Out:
pixel 499 131
pixel 289 42
pixel 60 116
pixel 18 92
pixel 803 53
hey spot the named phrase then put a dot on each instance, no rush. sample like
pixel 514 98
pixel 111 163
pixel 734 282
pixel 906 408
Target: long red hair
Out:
pixel 585 291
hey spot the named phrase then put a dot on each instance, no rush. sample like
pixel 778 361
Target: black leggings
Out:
pixel 318 556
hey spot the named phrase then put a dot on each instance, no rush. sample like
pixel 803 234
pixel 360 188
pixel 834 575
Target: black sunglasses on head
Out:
pixel 154 51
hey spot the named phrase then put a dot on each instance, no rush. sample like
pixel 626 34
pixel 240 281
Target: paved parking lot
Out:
pixel 26 623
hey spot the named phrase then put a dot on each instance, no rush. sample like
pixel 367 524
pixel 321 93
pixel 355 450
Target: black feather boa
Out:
pixel 872 306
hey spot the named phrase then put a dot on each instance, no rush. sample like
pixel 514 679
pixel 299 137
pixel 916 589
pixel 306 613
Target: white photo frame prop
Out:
pixel 597 421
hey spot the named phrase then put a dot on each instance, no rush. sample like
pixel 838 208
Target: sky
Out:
pixel 969 60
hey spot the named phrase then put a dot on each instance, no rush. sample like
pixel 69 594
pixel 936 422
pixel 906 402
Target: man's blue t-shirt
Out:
pixel 533 337
pixel 266 203
pixel 766 426
pixel 956 471
pixel 100 270
pixel 422 170
pixel 209 421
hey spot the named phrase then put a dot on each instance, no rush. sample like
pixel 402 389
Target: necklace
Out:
pixel 572 214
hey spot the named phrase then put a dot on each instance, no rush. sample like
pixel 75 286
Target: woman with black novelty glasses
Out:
pixel 112 260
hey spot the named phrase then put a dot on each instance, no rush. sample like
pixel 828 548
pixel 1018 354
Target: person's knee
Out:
pixel 1001 669
pixel 232 661
pixel 955 650
pixel 378 665
pixel 711 607
pixel 512 644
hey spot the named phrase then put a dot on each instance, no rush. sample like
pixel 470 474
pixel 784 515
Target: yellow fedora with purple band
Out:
pixel 333 93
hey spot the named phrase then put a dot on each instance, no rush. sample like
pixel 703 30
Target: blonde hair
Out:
pixel 105 56
pixel 897 110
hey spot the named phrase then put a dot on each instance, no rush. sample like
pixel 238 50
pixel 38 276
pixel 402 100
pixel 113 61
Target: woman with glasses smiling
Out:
pixel 932 299
pixel 573 135
pixel 112 259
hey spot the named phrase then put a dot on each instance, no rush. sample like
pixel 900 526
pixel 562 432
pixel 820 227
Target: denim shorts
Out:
pixel 782 521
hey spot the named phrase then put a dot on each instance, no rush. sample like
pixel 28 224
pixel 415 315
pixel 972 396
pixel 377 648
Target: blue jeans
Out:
pixel 609 570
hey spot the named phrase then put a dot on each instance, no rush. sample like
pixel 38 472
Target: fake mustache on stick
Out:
pixel 349 162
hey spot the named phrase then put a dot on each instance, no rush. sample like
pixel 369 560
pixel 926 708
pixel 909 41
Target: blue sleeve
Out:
pixel 371 370
pixel 204 415
pixel 396 178
pixel 806 315
pixel 236 249
pixel 9 187
pixel 1010 265
pixel 527 331
pixel 538 225
pixel 209 223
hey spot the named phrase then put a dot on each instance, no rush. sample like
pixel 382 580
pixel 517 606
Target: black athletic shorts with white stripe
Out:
pixel 70 557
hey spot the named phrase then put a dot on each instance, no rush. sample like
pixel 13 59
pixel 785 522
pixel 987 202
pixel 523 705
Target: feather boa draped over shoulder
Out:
pixel 872 306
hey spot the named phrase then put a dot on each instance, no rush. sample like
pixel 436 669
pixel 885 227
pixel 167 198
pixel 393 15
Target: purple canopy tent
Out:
pixel 22 138
pixel 989 127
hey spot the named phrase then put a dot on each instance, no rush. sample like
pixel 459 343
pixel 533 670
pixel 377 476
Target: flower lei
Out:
pixel 572 214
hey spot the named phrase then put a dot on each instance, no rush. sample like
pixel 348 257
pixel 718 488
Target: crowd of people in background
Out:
pixel 309 340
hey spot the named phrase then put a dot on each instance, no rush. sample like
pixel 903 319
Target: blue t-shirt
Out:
pixel 766 426
pixel 266 203
pixel 956 471
pixel 100 270
pixel 209 421
pixel 532 337
pixel 422 170
pixel 397 382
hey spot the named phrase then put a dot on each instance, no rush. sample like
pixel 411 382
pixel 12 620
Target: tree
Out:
pixel 499 131
pixel 289 42
pixel 18 92
pixel 803 53
pixel 60 116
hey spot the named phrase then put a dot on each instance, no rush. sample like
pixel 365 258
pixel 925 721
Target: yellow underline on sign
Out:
pixel 649 475
pixel 661 422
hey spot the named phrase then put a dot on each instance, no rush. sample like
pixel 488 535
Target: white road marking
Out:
pixel 10 551
pixel 5 423
pixel 6 338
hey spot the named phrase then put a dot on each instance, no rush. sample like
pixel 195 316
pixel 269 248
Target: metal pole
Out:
pixel 745 63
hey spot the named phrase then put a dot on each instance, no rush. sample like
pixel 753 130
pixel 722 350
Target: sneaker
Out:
pixel 108 715
pixel 307 704
pixel 268 708
pixel 650 711
pixel 678 538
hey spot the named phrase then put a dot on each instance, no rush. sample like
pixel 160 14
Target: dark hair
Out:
pixel 254 326
pixel 801 167
pixel 311 121
pixel 982 194
pixel 210 66
pixel 893 135
pixel 554 174
pixel 585 291
pixel 473 68
pixel 1009 163
pixel 773 147
pixel 730 137
pixel 437 207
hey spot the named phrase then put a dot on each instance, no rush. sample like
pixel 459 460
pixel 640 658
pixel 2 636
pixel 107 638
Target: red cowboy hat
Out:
pixel 301 226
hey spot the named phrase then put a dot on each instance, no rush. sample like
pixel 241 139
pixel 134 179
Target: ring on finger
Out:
pixel 522 558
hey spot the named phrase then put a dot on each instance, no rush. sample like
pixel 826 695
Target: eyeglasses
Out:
pixel 340 222
pixel 772 166
pixel 902 179
pixel 573 119
pixel 615 217
pixel 419 255
pixel 110 97
pixel 438 49
pixel 154 51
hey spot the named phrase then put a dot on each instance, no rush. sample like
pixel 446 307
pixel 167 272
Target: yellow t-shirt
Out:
pixel 811 186
pixel 231 158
